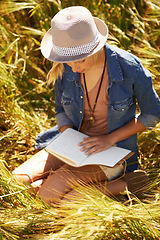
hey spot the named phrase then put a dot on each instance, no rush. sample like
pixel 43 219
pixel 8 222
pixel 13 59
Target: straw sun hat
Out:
pixel 74 35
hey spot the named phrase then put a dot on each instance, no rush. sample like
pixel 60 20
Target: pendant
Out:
pixel 86 125
pixel 90 122
pixel 91 119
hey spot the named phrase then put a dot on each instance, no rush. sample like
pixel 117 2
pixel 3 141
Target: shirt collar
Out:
pixel 71 76
pixel 113 65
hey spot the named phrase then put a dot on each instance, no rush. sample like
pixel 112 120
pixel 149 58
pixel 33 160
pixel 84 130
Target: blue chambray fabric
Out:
pixel 129 82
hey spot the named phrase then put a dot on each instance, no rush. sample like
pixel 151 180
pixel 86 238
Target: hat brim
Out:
pixel 48 52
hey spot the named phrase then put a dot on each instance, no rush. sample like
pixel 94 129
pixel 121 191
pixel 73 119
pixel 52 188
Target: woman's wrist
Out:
pixel 63 128
pixel 113 138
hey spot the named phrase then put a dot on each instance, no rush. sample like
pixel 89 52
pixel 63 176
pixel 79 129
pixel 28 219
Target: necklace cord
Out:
pixel 85 85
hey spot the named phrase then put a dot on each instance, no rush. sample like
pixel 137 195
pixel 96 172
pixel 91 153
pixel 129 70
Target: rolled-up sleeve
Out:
pixel 148 99
pixel 62 120
pixel 149 121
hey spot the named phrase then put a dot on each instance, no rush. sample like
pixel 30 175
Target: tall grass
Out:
pixel 29 103
pixel 27 108
pixel 26 101
pixel 90 216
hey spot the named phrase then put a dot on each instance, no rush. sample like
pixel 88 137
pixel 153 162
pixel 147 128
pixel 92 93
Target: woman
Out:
pixel 96 89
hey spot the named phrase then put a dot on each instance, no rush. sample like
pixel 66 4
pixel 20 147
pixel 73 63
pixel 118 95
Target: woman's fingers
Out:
pixel 92 145
pixel 93 150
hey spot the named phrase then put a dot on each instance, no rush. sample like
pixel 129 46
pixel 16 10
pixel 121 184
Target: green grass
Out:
pixel 27 108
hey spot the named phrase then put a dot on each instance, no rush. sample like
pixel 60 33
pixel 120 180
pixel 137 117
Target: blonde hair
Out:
pixel 55 72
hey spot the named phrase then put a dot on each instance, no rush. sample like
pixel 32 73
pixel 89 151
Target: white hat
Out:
pixel 74 35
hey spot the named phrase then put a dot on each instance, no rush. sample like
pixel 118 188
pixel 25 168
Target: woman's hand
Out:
pixel 97 144
pixel 92 145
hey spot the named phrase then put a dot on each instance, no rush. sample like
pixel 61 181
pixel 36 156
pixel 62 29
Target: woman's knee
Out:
pixel 50 194
pixel 46 195
pixel 56 186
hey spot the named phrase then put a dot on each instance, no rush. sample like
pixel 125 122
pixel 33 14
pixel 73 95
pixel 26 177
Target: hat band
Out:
pixel 78 50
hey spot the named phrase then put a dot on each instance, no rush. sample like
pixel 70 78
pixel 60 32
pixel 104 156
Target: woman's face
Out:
pixel 82 66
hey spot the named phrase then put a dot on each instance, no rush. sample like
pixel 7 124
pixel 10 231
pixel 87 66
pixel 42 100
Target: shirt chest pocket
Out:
pixel 120 108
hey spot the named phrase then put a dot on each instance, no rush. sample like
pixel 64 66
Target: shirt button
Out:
pixel 81 97
pixel 80 112
pixel 122 109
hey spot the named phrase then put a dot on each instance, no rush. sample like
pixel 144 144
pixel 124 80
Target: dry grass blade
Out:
pixel 12 6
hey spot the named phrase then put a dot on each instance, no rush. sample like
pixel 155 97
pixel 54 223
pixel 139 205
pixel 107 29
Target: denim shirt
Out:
pixel 129 82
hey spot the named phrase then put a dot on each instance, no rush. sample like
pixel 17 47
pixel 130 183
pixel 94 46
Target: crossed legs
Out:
pixel 53 180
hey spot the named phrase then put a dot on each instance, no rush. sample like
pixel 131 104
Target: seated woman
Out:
pixel 96 89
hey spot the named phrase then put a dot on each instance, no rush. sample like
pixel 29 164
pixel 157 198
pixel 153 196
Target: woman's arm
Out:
pixel 127 130
pixel 99 143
